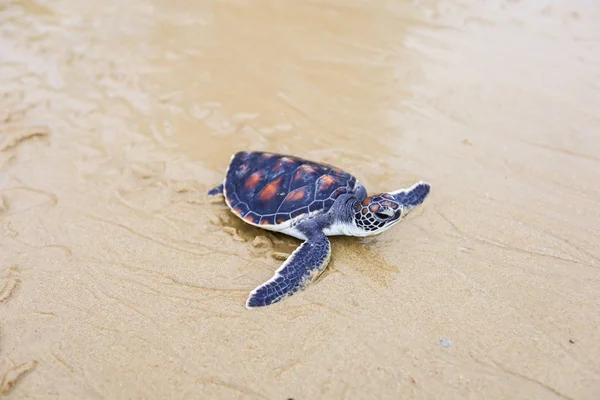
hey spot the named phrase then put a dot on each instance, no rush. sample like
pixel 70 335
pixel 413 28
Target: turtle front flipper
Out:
pixel 303 266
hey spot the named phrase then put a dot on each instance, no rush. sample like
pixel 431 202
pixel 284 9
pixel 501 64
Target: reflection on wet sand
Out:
pixel 119 278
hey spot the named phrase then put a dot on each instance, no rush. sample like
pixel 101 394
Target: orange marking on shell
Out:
pixel 281 163
pixel 280 220
pixel 264 222
pixel 366 201
pixel 374 208
pixel 253 180
pixel 238 210
pixel 326 181
pixel 304 169
pixel 337 192
pixel 249 218
pixel 270 190
pixel 296 194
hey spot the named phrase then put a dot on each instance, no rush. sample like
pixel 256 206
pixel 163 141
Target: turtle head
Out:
pixel 379 212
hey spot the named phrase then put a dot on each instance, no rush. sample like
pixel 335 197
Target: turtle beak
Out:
pixel 412 197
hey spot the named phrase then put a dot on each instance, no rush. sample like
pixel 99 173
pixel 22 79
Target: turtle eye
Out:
pixel 384 213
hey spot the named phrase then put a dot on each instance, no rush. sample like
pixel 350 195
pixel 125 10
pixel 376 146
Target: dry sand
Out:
pixel 120 279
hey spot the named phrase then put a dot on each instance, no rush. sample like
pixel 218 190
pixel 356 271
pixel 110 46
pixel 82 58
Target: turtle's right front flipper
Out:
pixel 304 265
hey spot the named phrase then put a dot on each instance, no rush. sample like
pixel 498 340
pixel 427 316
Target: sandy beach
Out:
pixel 121 279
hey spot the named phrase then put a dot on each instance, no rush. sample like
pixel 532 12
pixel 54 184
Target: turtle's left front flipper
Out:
pixel 303 266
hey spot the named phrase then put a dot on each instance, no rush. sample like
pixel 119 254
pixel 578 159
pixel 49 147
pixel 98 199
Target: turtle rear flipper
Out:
pixel 303 266
pixel 216 190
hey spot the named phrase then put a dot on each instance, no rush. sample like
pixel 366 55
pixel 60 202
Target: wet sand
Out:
pixel 121 279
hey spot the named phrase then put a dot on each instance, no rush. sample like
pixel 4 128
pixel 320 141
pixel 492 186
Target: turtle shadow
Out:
pixel 277 244
pixel 354 255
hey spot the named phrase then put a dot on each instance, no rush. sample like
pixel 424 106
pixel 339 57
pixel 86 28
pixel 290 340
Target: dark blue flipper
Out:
pixel 303 266
pixel 216 190
pixel 414 195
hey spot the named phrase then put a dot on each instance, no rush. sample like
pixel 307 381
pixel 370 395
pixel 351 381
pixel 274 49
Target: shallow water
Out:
pixel 123 280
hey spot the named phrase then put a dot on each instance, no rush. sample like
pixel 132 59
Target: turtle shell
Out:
pixel 270 189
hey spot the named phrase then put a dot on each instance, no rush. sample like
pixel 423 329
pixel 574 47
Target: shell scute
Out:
pixel 267 220
pixel 270 190
pixel 237 206
pixel 284 165
pixel 299 211
pixel 250 218
pixel 306 174
pixel 253 180
pixel 296 198
pixel 325 182
pixel 316 205
pixel 338 172
pixel 297 194
pixel 333 192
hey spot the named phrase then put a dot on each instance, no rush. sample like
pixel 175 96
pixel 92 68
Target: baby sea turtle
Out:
pixel 309 201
